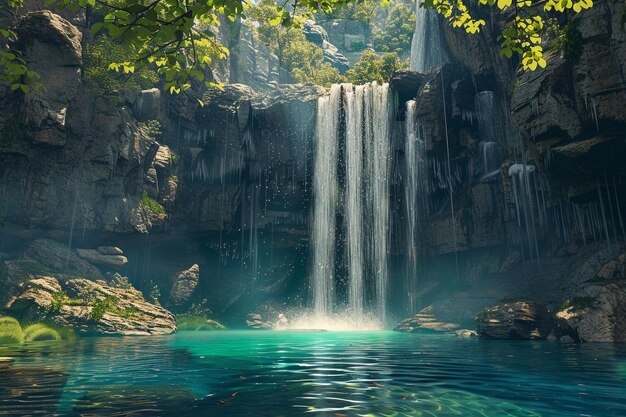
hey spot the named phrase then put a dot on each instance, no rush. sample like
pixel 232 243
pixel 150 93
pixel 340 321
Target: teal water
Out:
pixel 246 373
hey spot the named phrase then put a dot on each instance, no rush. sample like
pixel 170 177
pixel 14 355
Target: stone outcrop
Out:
pixel 58 257
pixel 98 258
pixel 349 37
pixel 316 34
pixel 256 322
pixel 425 320
pixel 183 285
pixel 524 320
pixel 90 306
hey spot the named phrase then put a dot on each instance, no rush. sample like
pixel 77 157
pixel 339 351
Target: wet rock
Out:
pixel 88 306
pixel 215 325
pixel 148 105
pixel 425 320
pixel 465 333
pixel 596 314
pixel 184 284
pixel 96 257
pixel 56 256
pixel 110 250
pixel 255 321
pixel 524 320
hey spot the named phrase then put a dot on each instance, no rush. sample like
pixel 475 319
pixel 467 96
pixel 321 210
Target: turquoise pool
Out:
pixel 247 373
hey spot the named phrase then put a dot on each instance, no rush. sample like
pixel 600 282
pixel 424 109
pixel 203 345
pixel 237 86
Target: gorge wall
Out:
pixel 523 179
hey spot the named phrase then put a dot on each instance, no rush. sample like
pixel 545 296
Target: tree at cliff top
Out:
pixel 177 37
pixel 372 67
pixel 396 34
pixel 302 59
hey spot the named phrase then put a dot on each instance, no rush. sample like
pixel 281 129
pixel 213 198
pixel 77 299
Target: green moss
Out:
pixel 40 332
pixel 576 302
pixel 151 204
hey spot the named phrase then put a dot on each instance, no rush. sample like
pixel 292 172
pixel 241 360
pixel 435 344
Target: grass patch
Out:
pixel 151 204
pixel 576 302
pixel 109 305
pixel 40 332
pixel 60 299
pixel 12 333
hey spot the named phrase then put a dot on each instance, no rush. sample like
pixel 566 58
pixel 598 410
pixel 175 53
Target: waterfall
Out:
pixel 325 200
pixel 367 110
pixel 354 195
pixel 427 48
pixel 379 177
pixel 416 194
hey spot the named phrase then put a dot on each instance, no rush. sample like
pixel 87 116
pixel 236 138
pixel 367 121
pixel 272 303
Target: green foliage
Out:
pixel 362 11
pixel 152 128
pixel 103 306
pixel 523 33
pixel 151 204
pixel 40 332
pixel 372 67
pixel 358 46
pixel 569 41
pixel 104 82
pixel 576 302
pixel 301 58
pixel 12 333
pixel 60 299
pixel 13 69
pixel 397 32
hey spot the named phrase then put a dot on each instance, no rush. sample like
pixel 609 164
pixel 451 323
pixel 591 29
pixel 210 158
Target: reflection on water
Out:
pixel 331 374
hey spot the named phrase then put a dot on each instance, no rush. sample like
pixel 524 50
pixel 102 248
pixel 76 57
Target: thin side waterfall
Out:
pixel 490 133
pixel 416 196
pixel 325 200
pixel 427 48
pixel 354 194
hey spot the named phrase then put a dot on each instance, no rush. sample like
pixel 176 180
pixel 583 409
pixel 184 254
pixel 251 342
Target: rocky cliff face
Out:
pixel 525 174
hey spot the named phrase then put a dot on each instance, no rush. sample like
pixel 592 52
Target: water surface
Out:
pixel 247 373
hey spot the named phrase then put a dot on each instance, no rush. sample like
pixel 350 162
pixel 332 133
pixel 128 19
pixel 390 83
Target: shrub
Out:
pixel 100 307
pixel 10 332
pixel 576 302
pixel 569 41
pixel 372 67
pixel 151 204
pixel 40 332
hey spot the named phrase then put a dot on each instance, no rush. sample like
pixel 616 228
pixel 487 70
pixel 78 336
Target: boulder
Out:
pixel 596 314
pixel 96 257
pixel 148 105
pixel 110 250
pixel 58 257
pixel 184 284
pixel 425 320
pixel 92 307
pixel 524 320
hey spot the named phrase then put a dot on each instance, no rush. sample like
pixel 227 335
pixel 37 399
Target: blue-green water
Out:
pixel 245 373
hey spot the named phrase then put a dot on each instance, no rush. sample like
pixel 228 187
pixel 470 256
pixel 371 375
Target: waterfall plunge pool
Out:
pixel 269 373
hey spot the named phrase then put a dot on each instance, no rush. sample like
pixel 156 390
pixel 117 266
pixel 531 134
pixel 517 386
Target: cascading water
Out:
pixel 490 133
pixel 416 195
pixel 427 48
pixel 325 200
pixel 367 155
pixel 354 193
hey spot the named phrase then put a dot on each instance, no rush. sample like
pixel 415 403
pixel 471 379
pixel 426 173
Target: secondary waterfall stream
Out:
pixel 360 118
pixel 427 48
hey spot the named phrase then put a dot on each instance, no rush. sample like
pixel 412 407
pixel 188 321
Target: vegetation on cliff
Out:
pixel 178 39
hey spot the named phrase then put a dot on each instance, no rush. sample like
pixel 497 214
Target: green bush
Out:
pixel 576 302
pixel 100 307
pixel 371 67
pixel 10 332
pixel 151 204
pixel 40 332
